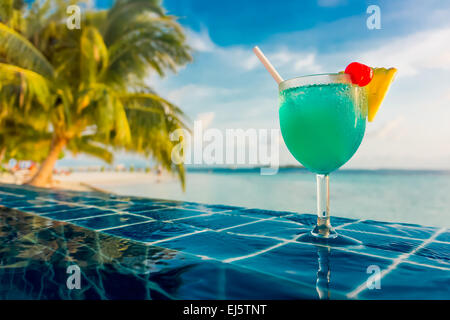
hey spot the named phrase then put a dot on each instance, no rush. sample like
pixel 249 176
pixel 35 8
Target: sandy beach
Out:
pixel 89 181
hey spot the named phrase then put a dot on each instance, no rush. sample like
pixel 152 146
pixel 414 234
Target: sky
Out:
pixel 227 87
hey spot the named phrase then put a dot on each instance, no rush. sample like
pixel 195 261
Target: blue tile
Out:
pixel 445 236
pixel 262 214
pixel 271 228
pixel 385 223
pixel 202 207
pixel 37 202
pixel 14 203
pixel 208 244
pixel 77 213
pixel 114 204
pixel 392 229
pixel 338 221
pixel 390 247
pixel 217 221
pixel 414 282
pixel 144 201
pixel 310 220
pixel 224 207
pixel 86 200
pixel 211 279
pixel 169 214
pixel 142 207
pixel 103 222
pixel 314 266
pixel 118 206
pixel 76 235
pixel 122 198
pixel 11 206
pixel 8 198
pixel 152 231
pixel 434 253
pixel 268 287
pixel 48 209
pixel 93 202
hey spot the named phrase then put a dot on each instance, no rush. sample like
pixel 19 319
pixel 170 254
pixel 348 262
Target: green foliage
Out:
pixel 17 50
pixel 22 141
pixel 89 86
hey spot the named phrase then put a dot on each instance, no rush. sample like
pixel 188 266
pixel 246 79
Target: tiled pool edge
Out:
pixel 200 258
pixel 432 234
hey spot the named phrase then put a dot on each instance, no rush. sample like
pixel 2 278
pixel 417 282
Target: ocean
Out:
pixel 419 197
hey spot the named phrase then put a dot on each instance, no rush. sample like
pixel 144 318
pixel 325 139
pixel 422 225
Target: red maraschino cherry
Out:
pixel 359 73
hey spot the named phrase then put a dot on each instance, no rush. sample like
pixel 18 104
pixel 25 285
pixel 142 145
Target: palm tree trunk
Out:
pixel 2 154
pixel 44 174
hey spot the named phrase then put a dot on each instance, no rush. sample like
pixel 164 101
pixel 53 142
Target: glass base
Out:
pixel 328 237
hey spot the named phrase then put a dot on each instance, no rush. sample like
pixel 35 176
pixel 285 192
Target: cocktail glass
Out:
pixel 323 120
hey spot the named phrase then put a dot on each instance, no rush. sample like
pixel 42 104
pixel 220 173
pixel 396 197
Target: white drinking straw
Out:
pixel 267 64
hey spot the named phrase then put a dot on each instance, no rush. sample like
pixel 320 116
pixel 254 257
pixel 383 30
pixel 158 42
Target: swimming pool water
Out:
pixel 139 248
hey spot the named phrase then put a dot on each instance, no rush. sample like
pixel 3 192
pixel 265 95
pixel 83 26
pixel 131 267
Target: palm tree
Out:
pixel 20 140
pixel 19 136
pixel 91 83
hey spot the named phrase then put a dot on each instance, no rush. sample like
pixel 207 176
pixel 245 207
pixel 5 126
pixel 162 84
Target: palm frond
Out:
pixel 100 106
pixel 11 13
pixel 149 41
pixel 150 132
pixel 6 10
pixel 22 53
pixel 127 10
pixel 153 103
pixel 29 85
pixel 22 141
pixel 88 145
pixel 94 55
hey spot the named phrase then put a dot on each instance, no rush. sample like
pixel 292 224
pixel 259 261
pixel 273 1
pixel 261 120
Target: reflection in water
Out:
pixel 35 253
pixel 323 273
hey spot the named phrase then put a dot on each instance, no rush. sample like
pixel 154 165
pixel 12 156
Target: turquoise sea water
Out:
pixel 421 197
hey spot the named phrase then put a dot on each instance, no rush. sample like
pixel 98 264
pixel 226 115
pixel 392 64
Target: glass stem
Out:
pixel 323 200
pixel 323 228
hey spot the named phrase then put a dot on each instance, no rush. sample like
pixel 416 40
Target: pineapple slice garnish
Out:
pixel 377 89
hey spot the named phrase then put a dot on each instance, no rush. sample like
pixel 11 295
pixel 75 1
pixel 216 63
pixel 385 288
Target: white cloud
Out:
pixel 302 62
pixel 411 54
pixel 390 129
pixel 238 57
pixel 179 95
pixel 206 119
pixel 244 59
pixel 193 93
pixel 200 41
pixel 250 63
